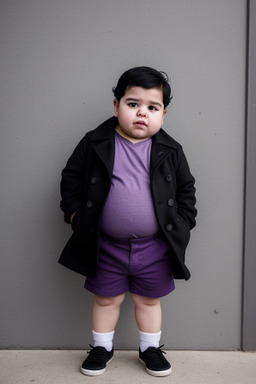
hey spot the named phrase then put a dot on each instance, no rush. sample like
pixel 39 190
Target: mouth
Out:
pixel 140 123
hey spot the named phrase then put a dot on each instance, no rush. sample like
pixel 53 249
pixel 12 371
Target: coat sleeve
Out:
pixel 72 181
pixel 185 191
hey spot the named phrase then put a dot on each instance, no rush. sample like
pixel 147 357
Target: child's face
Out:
pixel 140 113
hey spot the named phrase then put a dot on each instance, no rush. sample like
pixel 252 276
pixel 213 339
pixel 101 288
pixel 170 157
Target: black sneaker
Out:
pixel 97 360
pixel 156 363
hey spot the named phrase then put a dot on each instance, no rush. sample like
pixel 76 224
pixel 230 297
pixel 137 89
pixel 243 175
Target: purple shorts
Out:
pixel 140 265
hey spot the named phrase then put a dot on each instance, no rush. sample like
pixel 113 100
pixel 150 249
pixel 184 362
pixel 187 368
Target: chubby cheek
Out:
pixel 124 119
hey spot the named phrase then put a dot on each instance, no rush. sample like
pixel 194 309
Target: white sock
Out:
pixel 149 340
pixel 103 340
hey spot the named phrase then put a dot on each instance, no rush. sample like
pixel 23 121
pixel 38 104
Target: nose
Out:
pixel 142 111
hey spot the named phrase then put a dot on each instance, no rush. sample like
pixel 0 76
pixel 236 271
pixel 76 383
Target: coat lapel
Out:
pixel 106 152
pixel 104 143
pixel 162 145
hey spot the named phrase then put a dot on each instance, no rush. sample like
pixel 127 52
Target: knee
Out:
pixel 141 301
pixel 114 301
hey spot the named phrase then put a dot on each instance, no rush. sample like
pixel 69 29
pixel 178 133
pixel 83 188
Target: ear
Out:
pixel 164 113
pixel 116 105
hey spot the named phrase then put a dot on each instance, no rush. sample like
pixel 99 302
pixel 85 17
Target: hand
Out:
pixel 72 216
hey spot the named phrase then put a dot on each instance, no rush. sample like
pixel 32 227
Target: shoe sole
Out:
pixel 96 372
pixel 166 372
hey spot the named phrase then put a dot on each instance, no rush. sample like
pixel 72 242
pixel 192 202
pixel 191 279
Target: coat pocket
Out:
pixel 76 222
pixel 183 231
pixel 183 221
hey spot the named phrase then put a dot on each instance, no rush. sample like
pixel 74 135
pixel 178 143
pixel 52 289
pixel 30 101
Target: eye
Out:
pixel 152 108
pixel 133 105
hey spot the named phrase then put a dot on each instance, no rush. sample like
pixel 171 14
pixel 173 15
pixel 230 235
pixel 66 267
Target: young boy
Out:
pixel 129 195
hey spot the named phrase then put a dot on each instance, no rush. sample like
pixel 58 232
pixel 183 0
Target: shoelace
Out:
pixel 156 352
pixel 95 351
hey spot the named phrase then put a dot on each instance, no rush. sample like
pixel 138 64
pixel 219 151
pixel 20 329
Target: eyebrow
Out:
pixel 151 102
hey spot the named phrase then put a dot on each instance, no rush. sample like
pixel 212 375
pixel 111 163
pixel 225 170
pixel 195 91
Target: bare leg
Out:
pixel 106 313
pixel 148 313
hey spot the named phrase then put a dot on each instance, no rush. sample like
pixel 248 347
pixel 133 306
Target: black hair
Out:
pixel 144 77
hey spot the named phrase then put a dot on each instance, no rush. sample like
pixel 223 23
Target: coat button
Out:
pixel 170 202
pixel 89 204
pixel 169 227
pixel 168 178
pixel 94 180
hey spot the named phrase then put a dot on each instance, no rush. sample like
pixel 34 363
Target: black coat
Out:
pixel 86 182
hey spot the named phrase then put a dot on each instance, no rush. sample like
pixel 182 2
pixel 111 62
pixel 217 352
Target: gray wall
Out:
pixel 59 61
pixel 249 304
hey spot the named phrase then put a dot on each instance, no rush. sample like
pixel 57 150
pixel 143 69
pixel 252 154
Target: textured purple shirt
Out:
pixel 129 210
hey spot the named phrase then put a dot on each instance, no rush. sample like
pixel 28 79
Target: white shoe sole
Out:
pixel 166 372
pixel 90 372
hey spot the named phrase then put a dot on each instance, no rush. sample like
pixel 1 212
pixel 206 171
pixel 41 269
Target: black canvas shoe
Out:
pixel 156 363
pixel 96 361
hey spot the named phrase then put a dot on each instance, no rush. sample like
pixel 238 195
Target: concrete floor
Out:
pixel 63 367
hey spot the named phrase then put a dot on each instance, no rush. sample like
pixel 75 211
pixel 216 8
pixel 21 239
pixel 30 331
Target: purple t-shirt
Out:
pixel 129 210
